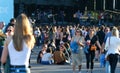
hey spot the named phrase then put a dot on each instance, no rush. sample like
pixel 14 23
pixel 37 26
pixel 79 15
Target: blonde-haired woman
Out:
pixel 19 46
pixel 113 50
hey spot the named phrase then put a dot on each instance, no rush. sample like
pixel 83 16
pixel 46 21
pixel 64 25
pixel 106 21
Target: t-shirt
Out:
pixel 101 36
pixel 47 57
pixel 92 40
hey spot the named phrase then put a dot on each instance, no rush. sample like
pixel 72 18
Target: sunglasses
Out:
pixel 9 30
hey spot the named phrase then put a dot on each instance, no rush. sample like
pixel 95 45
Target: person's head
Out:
pixel 22 31
pixel 102 28
pixel 23 26
pixel 13 21
pixel 10 31
pixel 107 29
pixel 44 47
pixel 91 31
pixel 115 32
pixel 78 32
pixel 62 47
pixel 2 25
pixel 49 50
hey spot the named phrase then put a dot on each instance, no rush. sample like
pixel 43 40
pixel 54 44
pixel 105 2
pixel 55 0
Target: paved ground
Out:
pixel 64 69
pixel 38 68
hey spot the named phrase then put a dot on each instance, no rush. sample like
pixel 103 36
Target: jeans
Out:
pixel 1 48
pixel 0 68
pixel 90 59
pixel 113 59
pixel 45 62
pixel 107 67
pixel 19 69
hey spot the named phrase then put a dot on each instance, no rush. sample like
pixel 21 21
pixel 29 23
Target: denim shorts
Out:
pixel 45 62
pixel 19 69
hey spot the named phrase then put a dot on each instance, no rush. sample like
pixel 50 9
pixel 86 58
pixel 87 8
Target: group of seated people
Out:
pixel 51 55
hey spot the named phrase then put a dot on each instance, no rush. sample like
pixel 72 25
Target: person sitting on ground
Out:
pixel 47 57
pixel 59 56
pixel 40 54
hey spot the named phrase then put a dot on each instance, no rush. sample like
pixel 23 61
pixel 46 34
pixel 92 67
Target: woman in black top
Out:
pixel 91 41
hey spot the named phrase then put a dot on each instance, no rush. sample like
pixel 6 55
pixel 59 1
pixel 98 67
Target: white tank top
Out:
pixel 19 57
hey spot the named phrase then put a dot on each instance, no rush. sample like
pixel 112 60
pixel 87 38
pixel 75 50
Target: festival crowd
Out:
pixel 58 45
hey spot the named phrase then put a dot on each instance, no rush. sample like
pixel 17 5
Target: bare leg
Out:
pixel 96 55
pixel 73 68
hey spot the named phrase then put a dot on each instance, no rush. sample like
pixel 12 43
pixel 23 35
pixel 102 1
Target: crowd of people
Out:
pixel 62 17
pixel 91 40
pixel 58 45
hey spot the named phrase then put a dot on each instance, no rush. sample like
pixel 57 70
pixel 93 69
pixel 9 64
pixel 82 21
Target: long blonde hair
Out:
pixel 23 32
pixel 115 32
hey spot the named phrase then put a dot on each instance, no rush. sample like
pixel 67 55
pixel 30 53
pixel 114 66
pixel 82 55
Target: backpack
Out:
pixel 74 47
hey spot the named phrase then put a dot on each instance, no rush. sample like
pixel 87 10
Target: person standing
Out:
pixel 101 35
pixel 107 34
pixel 113 48
pixel 77 56
pixel 19 46
pixel 91 40
pixel 2 39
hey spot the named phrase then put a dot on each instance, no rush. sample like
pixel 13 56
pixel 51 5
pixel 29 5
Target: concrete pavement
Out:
pixel 38 68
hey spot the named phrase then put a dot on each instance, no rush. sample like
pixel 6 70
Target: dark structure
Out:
pixel 109 4
pixel 117 4
pixel 28 6
pixel 99 4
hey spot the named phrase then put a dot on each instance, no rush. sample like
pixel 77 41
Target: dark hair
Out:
pixel 67 45
pixel 102 27
pixel 78 30
pixel 111 28
pixel 48 50
pixel 12 20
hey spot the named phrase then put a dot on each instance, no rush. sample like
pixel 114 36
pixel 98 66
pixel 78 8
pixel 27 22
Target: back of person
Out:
pixel 47 58
pixel 114 44
pixel 58 57
pixel 18 46
pixel 19 57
